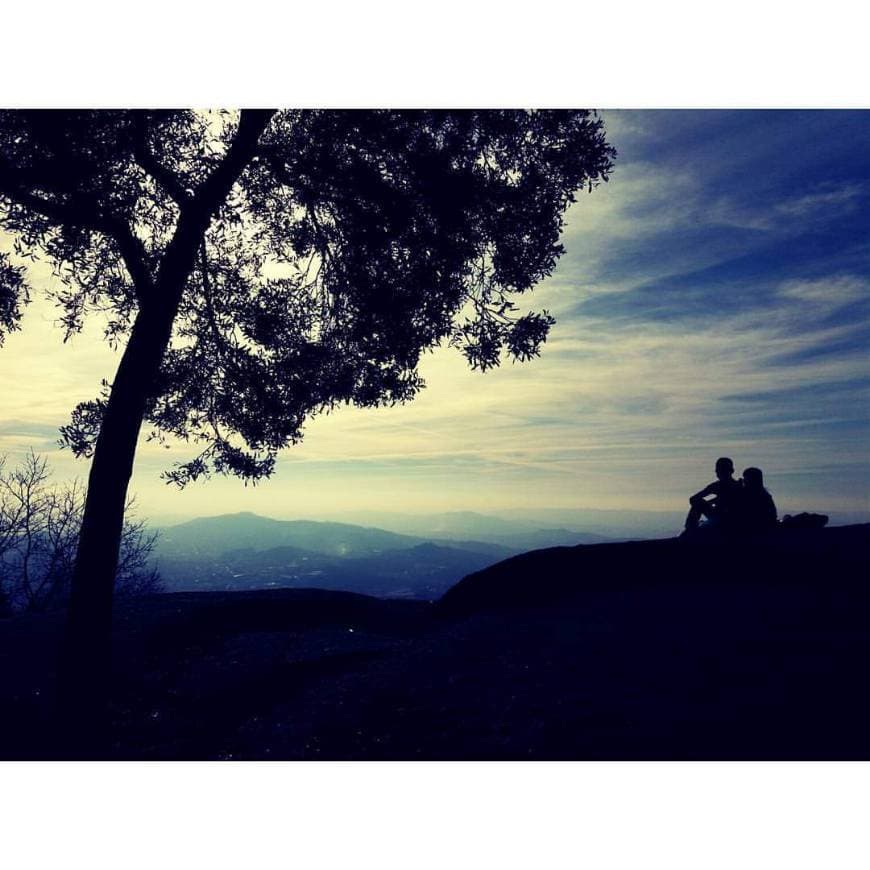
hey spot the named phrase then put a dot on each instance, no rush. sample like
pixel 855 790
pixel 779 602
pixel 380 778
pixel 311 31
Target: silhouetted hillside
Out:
pixel 650 650
pixel 817 556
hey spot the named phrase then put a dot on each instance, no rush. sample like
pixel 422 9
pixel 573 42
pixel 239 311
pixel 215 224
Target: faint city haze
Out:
pixel 714 299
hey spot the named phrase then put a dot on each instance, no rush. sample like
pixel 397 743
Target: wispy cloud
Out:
pixel 832 292
pixel 714 299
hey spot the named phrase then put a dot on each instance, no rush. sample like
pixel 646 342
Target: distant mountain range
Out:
pixel 418 556
pixel 209 536
pixel 247 551
pixel 516 534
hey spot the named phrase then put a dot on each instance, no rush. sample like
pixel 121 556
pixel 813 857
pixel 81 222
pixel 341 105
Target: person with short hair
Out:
pixel 717 501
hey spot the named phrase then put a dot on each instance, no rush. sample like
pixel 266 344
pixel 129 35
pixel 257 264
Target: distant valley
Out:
pixel 245 551
pixel 392 555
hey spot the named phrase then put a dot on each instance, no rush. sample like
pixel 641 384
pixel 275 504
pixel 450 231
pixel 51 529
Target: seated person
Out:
pixel 717 500
pixel 756 511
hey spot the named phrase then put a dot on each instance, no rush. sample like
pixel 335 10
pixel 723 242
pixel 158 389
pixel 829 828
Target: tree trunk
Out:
pixel 88 641
pixel 85 668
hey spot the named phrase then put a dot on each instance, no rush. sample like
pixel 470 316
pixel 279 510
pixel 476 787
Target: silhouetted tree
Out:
pixel 262 267
pixel 39 531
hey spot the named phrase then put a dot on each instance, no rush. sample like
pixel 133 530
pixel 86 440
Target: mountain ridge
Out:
pixel 244 551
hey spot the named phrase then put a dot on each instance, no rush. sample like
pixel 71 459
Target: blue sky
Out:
pixel 744 237
pixel 714 299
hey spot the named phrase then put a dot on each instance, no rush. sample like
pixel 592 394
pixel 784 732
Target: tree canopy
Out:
pixel 339 246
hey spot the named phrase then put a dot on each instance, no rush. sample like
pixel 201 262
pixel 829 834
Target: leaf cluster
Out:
pixel 351 243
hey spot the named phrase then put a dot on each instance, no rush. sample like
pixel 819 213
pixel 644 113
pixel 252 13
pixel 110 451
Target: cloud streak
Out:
pixel 714 298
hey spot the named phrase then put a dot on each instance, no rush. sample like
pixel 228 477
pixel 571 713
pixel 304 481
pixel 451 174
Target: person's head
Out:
pixel 724 468
pixel 753 478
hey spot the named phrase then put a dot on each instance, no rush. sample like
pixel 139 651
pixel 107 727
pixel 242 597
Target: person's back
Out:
pixel 755 510
pixel 727 503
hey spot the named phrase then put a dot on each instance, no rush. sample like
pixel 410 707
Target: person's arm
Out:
pixel 710 489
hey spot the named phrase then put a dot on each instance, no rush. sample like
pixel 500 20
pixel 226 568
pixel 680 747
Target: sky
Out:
pixel 714 299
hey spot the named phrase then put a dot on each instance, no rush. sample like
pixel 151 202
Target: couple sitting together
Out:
pixel 729 505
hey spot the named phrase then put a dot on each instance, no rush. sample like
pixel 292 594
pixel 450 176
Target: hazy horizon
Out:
pixel 602 521
pixel 712 300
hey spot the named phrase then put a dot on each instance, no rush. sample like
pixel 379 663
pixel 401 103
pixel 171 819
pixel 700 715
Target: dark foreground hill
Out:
pixel 650 650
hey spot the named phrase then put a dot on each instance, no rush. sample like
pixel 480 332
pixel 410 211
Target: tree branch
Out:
pixel 68 213
pixel 78 215
pixel 133 254
pixel 198 212
pixel 209 304
pixel 146 159
pixel 215 188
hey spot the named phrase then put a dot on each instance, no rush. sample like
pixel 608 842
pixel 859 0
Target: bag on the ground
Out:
pixel 804 521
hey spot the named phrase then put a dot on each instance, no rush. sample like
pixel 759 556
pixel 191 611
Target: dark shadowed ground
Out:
pixel 650 650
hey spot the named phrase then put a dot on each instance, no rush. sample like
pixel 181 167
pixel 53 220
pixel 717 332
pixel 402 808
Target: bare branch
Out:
pixel 39 530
